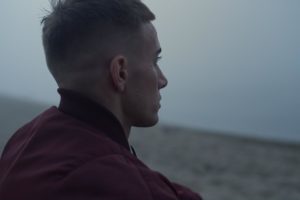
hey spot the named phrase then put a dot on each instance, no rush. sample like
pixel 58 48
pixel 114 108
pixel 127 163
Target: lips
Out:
pixel 159 99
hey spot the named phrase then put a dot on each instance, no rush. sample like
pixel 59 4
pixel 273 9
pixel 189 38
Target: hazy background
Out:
pixel 232 65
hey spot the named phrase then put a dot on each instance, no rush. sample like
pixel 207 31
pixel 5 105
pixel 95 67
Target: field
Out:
pixel 220 166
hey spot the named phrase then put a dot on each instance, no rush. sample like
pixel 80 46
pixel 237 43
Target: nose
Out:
pixel 162 80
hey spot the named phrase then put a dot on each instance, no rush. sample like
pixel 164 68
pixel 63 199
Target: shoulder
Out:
pixel 53 137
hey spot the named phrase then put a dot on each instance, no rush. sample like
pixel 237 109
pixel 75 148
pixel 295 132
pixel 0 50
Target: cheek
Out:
pixel 142 96
pixel 152 79
pixel 143 86
pixel 147 80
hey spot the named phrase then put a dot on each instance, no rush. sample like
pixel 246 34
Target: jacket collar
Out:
pixel 87 110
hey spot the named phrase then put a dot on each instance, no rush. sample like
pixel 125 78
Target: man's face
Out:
pixel 145 80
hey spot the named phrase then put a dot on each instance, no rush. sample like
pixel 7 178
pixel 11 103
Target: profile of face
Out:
pixel 145 79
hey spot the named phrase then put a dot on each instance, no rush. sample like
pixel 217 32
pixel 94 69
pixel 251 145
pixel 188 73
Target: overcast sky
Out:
pixel 232 65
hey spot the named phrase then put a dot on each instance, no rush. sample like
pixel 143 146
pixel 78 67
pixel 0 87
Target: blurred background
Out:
pixel 234 79
pixel 232 65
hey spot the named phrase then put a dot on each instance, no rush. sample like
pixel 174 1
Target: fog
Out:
pixel 232 65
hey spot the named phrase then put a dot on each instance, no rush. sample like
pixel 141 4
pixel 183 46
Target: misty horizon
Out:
pixel 232 66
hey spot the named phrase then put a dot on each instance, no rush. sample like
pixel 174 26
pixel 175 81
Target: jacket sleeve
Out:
pixel 115 178
pixel 109 178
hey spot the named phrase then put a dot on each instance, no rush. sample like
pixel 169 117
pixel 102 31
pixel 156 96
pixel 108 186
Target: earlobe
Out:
pixel 118 72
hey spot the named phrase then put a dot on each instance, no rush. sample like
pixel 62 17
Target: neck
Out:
pixel 114 106
pixel 115 109
pixel 110 103
pixel 95 114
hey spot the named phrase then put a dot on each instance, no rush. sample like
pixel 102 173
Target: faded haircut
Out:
pixel 70 25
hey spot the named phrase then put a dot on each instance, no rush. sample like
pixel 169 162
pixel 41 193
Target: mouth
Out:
pixel 159 99
pixel 158 105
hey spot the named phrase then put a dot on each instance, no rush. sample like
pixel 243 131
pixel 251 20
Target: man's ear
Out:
pixel 119 72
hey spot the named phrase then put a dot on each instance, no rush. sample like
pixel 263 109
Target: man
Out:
pixel 103 55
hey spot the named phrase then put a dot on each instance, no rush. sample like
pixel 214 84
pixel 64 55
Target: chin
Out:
pixel 147 122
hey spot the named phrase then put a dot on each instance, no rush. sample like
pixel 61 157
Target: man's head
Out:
pixel 105 49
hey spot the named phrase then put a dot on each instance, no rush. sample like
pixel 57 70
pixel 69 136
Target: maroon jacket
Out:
pixel 79 152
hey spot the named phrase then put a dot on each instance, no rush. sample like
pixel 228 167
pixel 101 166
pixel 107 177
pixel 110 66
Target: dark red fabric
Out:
pixel 79 152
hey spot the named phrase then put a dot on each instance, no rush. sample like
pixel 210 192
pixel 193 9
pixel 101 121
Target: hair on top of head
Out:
pixel 70 24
